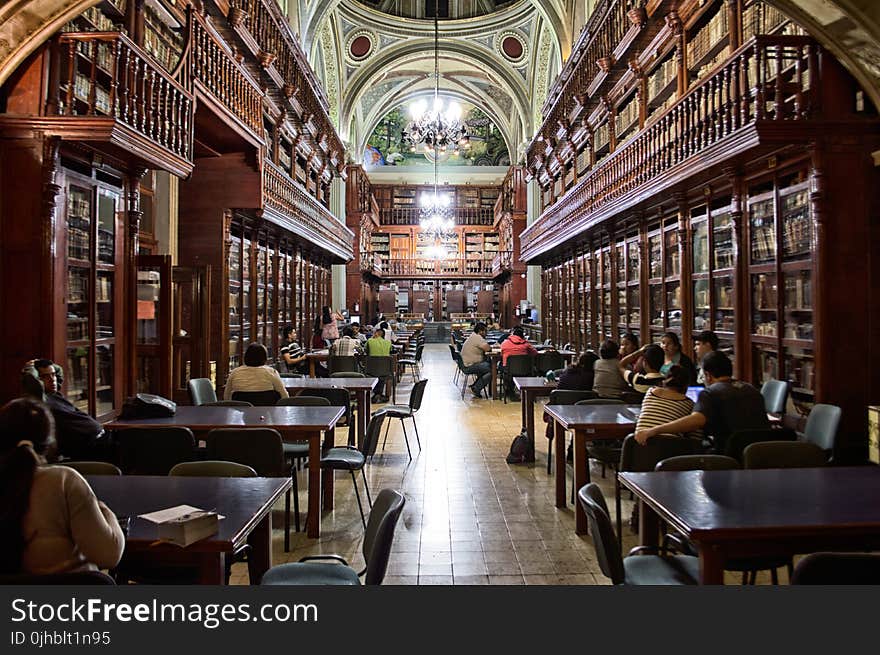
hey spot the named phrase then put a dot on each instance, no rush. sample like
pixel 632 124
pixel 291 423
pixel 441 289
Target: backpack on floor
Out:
pixel 521 450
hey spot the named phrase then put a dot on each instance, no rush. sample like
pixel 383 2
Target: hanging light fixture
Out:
pixel 439 132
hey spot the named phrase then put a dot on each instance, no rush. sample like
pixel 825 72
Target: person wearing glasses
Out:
pixel 79 436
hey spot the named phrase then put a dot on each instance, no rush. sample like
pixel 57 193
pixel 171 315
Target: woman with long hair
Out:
pixel 329 327
pixel 50 519
pixel 673 356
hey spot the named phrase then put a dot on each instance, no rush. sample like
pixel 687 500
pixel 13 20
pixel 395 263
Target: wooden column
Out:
pixel 743 358
pixel 133 224
pixel 685 265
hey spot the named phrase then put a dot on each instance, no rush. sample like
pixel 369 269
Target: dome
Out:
pixel 424 8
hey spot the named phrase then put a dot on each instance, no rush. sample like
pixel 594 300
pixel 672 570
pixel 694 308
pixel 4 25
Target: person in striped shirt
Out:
pixel 663 404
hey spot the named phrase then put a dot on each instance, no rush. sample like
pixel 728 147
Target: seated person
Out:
pixel 79 435
pixel 358 333
pixel 318 342
pixel 580 376
pixel 51 520
pixel 291 358
pixel 346 345
pixel 608 381
pixel 672 356
pixel 704 343
pixel 629 343
pixel 667 403
pixel 724 407
pixel 254 375
pixel 378 345
pixel 516 344
pixel 473 359
pixel 650 376
pixel 389 333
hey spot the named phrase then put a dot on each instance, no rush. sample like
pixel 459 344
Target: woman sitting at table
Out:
pixel 668 402
pixel 672 356
pixel 254 375
pixel 576 378
pixel 50 519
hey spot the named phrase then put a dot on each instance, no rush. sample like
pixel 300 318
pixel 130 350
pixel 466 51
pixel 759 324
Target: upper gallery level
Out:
pixel 657 91
pixel 158 84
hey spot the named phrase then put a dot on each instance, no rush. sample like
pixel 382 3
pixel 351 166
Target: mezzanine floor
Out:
pixel 470 518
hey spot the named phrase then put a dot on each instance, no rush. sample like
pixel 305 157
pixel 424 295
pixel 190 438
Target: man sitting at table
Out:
pixel 726 406
pixel 359 334
pixel 650 376
pixel 473 360
pixel 516 344
pixel 347 345
pixel 704 343
pixel 378 345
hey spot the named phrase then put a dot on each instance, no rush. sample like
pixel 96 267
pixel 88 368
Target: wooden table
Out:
pixel 494 357
pixel 530 389
pixel 588 422
pixel 294 424
pixel 315 356
pixel 361 387
pixel 245 502
pixel 761 512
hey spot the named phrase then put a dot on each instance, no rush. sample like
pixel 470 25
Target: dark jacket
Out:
pixel 576 379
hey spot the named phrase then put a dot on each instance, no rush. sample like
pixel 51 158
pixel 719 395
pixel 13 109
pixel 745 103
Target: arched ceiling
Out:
pixel 416 8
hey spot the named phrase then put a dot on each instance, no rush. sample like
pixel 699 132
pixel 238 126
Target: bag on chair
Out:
pixel 522 450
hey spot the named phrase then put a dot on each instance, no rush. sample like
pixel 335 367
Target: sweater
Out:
pixel 254 378
pixel 515 345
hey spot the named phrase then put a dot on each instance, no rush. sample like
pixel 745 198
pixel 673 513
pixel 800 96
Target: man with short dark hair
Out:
pixel 79 436
pixel 347 345
pixel 358 333
pixel 473 359
pixel 704 343
pixel 652 359
pixel 516 344
pixel 724 407
pixel 378 345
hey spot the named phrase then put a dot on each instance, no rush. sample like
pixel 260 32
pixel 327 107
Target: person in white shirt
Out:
pixel 472 358
pixel 254 375
pixel 389 333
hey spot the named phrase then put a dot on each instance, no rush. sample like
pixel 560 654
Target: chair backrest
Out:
pixel 639 458
pixel 459 361
pixel 548 361
pixel 570 396
pixel 697 463
pixel 378 366
pixel 607 548
pixel 72 578
pixel 739 441
pixel 419 349
pixel 379 534
pixel 417 393
pixel 341 363
pixel 228 403
pixel 775 393
pixel 339 397
pixel 632 397
pixel 154 451
pixel 259 448
pixel 520 365
pixel 452 351
pixel 201 391
pixel 838 569
pixel 213 469
pixel 94 468
pixel 304 401
pixel 783 455
pixel 347 374
pixel 257 398
pixel 821 427
pixel 374 429
pixel 600 401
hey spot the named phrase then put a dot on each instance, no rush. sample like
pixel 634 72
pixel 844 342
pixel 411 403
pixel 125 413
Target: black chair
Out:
pixel 638 458
pixel 339 397
pixel 821 427
pixel 637 568
pixel 228 403
pixel 407 411
pixel 351 459
pixel 549 360
pixel 564 397
pixel 297 452
pixel 604 451
pixel 697 463
pixel 376 549
pixel 201 391
pixel 260 448
pixel 632 397
pixel 93 468
pixel 258 398
pixel 454 353
pixel 838 569
pixel 464 376
pixel 381 367
pixel 154 451
pixel 347 374
pixel 414 363
pixel 518 366
pixel 783 455
pixel 775 393
pixel 71 578
pixel 739 441
pixel 342 363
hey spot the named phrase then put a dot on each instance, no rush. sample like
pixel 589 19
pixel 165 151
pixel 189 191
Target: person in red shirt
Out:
pixel 516 344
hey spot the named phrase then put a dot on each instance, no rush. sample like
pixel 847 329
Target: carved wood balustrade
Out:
pixel 458 267
pixel 412 215
pixel 769 81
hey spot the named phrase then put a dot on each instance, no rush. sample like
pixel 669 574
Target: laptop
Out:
pixel 694 392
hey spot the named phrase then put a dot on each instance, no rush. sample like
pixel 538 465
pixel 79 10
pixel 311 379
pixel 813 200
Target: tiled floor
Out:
pixel 470 518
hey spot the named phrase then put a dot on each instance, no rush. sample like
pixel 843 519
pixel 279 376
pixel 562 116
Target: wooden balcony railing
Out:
pixel 371 263
pixel 458 267
pixel 105 74
pixel 310 218
pixel 412 215
pixel 502 263
pixel 769 80
pixel 223 77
